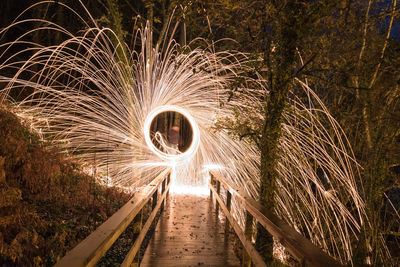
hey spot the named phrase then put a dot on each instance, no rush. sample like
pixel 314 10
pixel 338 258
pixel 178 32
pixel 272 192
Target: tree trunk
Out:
pixel 282 58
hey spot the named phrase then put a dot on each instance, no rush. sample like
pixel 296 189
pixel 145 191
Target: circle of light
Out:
pixel 195 135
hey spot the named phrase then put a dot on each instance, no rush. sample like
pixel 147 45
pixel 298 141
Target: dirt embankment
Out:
pixel 47 204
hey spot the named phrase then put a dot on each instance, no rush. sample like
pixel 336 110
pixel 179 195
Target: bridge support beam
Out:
pixel 212 183
pixel 162 192
pixel 228 206
pixel 218 192
pixel 154 202
pixel 248 232
pixel 138 226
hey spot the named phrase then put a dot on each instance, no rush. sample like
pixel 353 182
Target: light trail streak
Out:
pixel 181 157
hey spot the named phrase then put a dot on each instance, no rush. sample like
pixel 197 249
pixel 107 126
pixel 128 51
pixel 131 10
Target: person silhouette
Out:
pixel 173 138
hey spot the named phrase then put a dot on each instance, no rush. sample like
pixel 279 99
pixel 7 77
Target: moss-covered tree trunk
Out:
pixel 115 22
pixel 280 58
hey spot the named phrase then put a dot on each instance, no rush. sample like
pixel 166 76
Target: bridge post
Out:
pixel 155 195
pixel 211 182
pixel 162 192
pixel 138 225
pixel 228 206
pixel 248 232
pixel 168 182
pixel 218 193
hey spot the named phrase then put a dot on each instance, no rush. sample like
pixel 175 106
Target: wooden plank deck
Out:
pixel 189 234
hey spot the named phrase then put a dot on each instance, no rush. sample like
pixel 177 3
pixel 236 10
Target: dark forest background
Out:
pixel 351 58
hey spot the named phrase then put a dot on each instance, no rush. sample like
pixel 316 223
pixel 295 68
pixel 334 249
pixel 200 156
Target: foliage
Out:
pixel 47 205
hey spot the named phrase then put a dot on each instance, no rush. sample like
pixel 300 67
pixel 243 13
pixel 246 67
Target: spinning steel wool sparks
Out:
pixel 96 98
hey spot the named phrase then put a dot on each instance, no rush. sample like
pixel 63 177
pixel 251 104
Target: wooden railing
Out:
pixel 90 250
pixel 297 245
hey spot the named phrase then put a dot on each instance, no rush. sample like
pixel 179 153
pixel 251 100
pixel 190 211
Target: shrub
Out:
pixel 47 204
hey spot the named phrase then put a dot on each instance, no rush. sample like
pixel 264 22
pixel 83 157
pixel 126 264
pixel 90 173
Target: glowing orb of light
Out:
pixel 195 137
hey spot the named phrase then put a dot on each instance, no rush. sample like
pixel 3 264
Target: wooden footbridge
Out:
pixel 189 230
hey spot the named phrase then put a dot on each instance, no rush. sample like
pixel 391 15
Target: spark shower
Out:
pixel 96 98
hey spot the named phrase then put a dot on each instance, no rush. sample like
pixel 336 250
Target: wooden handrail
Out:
pixel 258 261
pixel 91 249
pixel 296 244
pixel 136 246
